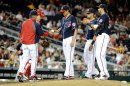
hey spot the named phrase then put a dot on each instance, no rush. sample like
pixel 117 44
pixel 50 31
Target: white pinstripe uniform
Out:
pixel 101 44
pixel 89 56
pixel 68 27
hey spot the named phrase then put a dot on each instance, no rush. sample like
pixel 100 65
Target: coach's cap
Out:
pixel 90 10
pixel 102 6
pixel 33 12
pixel 64 8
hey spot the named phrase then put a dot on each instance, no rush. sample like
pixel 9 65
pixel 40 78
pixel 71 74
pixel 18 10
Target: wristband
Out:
pixel 89 24
pixel 92 42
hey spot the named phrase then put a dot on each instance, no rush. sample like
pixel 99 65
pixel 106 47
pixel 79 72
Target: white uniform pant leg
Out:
pixel 95 70
pixel 89 58
pixel 69 54
pixel 34 56
pixel 20 62
pixel 26 56
pixel 102 43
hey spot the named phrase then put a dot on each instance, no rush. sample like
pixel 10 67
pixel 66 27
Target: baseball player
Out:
pixel 29 36
pixel 69 32
pixel 101 40
pixel 19 51
pixel 89 56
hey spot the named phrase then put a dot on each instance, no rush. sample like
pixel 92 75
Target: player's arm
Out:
pixel 75 35
pixel 92 43
pixel 75 28
pixel 98 26
pixel 55 30
pixel 39 30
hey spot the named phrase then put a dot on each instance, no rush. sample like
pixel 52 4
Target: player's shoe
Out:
pixel 66 78
pixel 95 76
pixel 102 78
pixel 71 77
pixel 20 77
pixel 34 78
pixel 86 77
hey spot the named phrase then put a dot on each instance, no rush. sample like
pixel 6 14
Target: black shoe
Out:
pixel 85 77
pixel 95 76
pixel 71 77
pixel 20 78
pixel 34 78
pixel 66 78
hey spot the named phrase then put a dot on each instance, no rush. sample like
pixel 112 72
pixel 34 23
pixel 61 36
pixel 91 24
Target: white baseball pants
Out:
pixel 69 56
pixel 20 62
pixel 89 58
pixel 29 52
pixel 101 47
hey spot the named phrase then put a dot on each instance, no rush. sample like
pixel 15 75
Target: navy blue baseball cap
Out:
pixel 102 6
pixel 33 12
pixel 90 10
pixel 64 8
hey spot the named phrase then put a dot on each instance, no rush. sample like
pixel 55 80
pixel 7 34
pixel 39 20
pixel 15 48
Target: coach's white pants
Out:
pixel 20 62
pixel 89 58
pixel 69 55
pixel 101 47
pixel 29 52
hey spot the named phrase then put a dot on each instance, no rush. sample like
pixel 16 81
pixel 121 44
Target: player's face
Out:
pixel 84 21
pixel 65 13
pixel 99 10
pixel 38 18
pixel 89 15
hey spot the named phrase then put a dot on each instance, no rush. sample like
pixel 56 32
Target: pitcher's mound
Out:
pixel 83 82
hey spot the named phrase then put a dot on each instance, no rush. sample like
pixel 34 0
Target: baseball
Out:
pixel 52 31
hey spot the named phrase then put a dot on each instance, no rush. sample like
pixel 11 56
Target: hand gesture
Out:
pixel 90 47
pixel 72 44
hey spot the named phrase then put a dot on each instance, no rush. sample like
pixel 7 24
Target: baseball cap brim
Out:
pixel 62 11
pixel 102 6
pixel 99 6
pixel 33 13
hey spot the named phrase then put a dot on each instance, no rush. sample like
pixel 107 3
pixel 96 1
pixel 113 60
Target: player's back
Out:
pixel 28 32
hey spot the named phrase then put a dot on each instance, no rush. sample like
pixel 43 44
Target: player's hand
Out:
pixel 72 44
pixel 45 43
pixel 51 31
pixel 94 37
pixel 90 47
pixel 42 37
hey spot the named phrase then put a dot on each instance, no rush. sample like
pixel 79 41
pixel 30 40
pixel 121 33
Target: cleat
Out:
pixel 34 78
pixel 87 77
pixel 71 77
pixel 66 78
pixel 95 76
pixel 20 78
pixel 102 78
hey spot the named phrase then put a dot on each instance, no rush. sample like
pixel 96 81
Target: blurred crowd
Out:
pixel 118 51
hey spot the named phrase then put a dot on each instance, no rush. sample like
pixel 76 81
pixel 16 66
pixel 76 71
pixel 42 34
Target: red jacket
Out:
pixel 28 33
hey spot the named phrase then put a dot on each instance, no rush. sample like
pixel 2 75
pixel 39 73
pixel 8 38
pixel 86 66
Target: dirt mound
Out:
pixel 83 82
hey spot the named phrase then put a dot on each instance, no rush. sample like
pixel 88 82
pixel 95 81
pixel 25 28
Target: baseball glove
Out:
pixel 45 43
